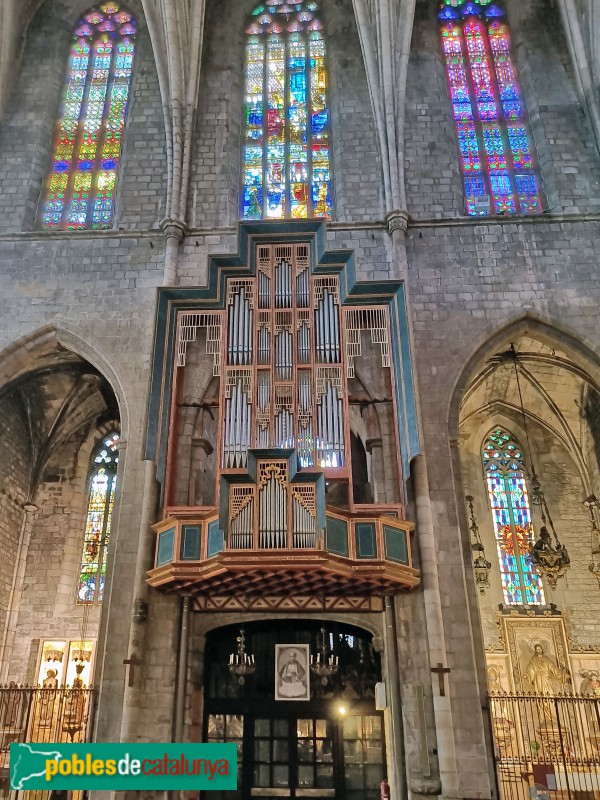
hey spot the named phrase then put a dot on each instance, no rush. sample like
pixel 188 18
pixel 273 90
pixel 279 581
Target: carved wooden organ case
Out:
pixel 283 435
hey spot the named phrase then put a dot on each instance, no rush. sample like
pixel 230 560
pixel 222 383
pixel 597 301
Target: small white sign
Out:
pixel 292 672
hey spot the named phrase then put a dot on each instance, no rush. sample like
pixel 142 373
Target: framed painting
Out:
pixel 292 672
pixel 537 648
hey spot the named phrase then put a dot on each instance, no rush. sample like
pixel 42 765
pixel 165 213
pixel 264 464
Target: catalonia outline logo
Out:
pixel 115 766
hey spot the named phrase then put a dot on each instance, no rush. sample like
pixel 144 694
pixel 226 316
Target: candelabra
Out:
pixel 550 558
pixel 241 663
pixel 481 566
pixel 324 664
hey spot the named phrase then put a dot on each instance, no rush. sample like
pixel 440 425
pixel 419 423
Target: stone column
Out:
pixel 174 231
pixel 14 601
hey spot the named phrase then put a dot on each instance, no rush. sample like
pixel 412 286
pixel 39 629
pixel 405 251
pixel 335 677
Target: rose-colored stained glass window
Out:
pixel 101 495
pixel 497 154
pixel 80 187
pixel 511 514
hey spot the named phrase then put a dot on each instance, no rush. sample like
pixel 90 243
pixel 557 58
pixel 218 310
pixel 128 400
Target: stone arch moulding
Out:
pixel 583 353
pixel 373 626
pixel 40 348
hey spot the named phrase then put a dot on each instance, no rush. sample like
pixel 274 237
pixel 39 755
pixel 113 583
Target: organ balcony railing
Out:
pixel 352 556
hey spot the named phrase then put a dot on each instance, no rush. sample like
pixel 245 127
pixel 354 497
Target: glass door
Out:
pixel 314 751
pixel 293 758
pixel 364 765
pixel 227 728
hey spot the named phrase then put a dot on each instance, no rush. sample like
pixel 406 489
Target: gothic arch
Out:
pixel 51 346
pixel 583 353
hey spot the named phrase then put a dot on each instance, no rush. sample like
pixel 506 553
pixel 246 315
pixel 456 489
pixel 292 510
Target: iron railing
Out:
pixel 546 747
pixel 41 714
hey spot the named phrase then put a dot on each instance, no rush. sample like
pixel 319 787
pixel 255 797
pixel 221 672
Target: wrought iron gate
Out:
pixel 546 747
pixel 38 714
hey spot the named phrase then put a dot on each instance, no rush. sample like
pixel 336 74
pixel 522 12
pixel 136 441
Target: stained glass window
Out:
pixel 103 482
pixel 80 188
pixel 496 149
pixel 286 144
pixel 509 501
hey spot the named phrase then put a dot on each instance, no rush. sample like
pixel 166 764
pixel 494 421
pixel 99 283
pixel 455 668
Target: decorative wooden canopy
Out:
pixel 358 557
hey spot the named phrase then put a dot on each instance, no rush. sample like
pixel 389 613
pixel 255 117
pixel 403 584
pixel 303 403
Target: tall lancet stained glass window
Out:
pixel 286 145
pixel 496 149
pixel 80 187
pixel 101 496
pixel 511 514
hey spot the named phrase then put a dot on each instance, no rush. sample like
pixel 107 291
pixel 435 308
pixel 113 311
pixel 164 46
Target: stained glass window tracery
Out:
pixel 101 496
pixel 504 469
pixel 496 149
pixel 286 171
pixel 80 187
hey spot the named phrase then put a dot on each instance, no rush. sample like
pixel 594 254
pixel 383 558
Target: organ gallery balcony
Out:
pixel 355 561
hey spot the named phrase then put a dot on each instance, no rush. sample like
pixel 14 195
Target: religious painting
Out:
pixel 538 654
pixel 292 672
pixel 52 664
pixel 80 664
pixel 586 674
pixel 498 671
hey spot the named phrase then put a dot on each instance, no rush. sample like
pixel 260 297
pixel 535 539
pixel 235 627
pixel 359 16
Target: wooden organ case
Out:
pixel 283 481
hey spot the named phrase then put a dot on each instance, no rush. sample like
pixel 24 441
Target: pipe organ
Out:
pixel 283 368
pixel 283 513
pixel 292 397
pixel 283 349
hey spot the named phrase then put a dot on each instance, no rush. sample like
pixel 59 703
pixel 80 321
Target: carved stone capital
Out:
pixel 173 228
pixel 372 444
pixel 397 221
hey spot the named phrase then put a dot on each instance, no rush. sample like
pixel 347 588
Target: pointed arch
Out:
pixel 505 477
pixel 286 170
pixel 583 353
pixel 497 152
pixel 82 179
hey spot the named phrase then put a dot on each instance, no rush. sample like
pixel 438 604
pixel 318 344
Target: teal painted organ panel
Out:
pixel 190 543
pixel 337 536
pixel 166 547
pixel 396 548
pixel 366 546
pixel 216 541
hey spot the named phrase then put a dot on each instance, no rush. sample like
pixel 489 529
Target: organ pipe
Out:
pixel 330 418
pixel 240 330
pixel 304 526
pixel 328 330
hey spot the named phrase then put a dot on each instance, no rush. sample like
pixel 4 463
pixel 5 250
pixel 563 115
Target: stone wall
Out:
pixel 15 478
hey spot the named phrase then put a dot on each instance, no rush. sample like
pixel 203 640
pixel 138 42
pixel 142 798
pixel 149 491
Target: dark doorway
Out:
pixel 331 746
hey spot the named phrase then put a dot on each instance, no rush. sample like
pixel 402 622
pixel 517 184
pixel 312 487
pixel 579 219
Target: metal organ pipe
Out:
pixel 302 292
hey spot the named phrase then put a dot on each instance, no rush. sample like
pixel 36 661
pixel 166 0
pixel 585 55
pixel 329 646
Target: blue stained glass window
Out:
pixel 504 470
pixel 484 88
pixel 286 170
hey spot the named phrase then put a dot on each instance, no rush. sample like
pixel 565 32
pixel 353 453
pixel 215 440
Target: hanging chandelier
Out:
pixel 592 505
pixel 549 557
pixel 325 664
pixel 241 663
pixel 481 566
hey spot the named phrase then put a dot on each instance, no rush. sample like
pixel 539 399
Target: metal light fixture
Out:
pixel 241 663
pixel 550 558
pixel 593 505
pixel 325 664
pixel 481 566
